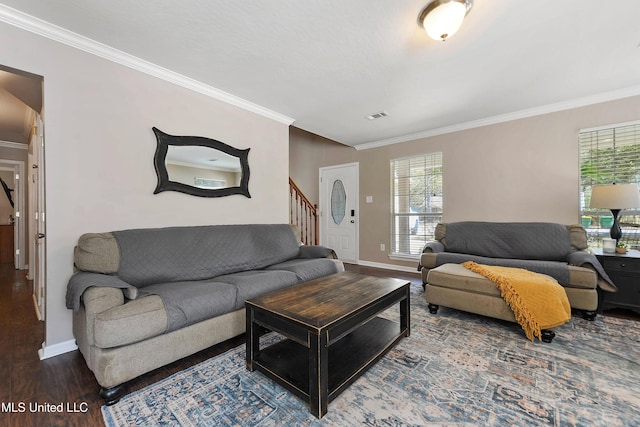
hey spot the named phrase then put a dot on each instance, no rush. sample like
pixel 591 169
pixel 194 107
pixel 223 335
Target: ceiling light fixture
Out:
pixel 442 18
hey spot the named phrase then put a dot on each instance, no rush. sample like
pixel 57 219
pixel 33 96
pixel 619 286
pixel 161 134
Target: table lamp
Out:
pixel 615 197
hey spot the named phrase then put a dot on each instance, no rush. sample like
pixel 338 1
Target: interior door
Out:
pixel 16 219
pixel 339 210
pixel 38 220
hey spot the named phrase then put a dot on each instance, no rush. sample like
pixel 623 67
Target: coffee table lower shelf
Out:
pixel 287 362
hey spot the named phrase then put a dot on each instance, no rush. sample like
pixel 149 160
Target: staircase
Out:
pixel 303 214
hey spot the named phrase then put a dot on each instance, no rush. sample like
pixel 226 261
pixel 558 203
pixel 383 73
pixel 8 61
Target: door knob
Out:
pixel 40 235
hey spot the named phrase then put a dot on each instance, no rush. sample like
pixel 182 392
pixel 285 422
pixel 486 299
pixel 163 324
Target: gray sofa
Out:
pixel 556 250
pixel 144 298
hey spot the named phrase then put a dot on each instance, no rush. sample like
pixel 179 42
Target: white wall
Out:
pixel 99 155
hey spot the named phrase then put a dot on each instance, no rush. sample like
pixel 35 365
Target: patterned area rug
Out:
pixel 455 369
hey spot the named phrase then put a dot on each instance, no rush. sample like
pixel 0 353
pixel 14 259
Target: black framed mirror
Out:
pixel 200 166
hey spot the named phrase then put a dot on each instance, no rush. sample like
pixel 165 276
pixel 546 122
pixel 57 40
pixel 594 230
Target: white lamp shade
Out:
pixel 616 196
pixel 445 20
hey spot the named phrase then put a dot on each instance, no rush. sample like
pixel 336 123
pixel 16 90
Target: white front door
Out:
pixel 339 210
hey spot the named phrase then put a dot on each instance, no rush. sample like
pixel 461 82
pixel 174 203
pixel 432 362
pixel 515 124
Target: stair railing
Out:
pixel 303 214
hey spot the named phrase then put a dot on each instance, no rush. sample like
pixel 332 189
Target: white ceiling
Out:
pixel 330 63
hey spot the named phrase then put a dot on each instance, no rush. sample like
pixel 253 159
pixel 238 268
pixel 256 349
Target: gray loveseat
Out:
pixel 556 250
pixel 147 297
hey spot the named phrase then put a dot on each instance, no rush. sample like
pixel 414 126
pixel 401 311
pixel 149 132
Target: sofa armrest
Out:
pixel 316 251
pixel 588 260
pixel 99 299
pixel 432 247
pixel 83 280
pixel 95 300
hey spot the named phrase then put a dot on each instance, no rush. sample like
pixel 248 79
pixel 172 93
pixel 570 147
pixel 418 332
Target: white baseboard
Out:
pixel 388 266
pixel 48 351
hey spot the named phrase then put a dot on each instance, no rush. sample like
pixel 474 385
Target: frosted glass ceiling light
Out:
pixel 442 18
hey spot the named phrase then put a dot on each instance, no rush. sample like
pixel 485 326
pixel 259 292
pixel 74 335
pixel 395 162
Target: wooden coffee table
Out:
pixel 332 329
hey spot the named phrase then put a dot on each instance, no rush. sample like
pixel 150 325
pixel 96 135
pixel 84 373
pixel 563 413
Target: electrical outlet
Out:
pixel 382 247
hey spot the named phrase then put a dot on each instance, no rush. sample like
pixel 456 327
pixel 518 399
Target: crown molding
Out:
pixel 522 114
pixel 46 29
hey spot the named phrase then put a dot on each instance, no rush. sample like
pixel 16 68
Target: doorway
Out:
pixel 339 210
pixel 21 153
pixel 13 246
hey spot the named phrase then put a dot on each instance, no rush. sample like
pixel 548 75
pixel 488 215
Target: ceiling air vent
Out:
pixel 377 115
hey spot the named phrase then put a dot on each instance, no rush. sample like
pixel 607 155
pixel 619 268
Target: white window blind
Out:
pixel 609 155
pixel 416 202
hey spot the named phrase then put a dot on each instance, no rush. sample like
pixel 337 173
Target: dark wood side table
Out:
pixel 624 270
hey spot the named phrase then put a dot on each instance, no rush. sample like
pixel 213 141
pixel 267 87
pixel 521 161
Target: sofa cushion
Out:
pixel 190 302
pixel 452 283
pixel 307 269
pixel 150 256
pixel 557 269
pixel 455 276
pixel 578 277
pixel 577 234
pixel 250 284
pixel 525 240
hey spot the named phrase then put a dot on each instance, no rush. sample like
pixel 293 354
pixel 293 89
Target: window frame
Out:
pixel 406 241
pixel 608 154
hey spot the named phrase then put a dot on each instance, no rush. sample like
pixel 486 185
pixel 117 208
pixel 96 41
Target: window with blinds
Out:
pixel 609 155
pixel 416 202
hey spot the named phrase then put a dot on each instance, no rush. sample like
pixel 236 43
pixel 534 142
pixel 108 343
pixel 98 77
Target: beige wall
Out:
pixel 523 170
pixel 308 153
pixel 99 155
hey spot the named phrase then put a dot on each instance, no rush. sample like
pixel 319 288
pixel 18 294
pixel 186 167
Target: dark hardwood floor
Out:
pixel 65 379
pixel 26 381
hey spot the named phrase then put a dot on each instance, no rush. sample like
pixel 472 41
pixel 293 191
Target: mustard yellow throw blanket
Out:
pixel 538 302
